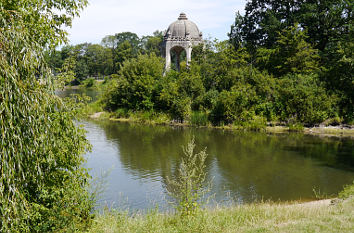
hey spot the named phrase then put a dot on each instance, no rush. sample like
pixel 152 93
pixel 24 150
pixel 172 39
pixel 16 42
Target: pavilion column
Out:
pixel 189 55
pixel 168 59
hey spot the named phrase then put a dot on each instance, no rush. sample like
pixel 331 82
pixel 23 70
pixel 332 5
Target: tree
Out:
pixel 235 34
pixel 231 104
pixel 153 44
pixel 326 43
pixel 289 54
pixel 324 20
pixel 339 77
pixel 124 45
pixel 304 99
pixel 109 42
pixel 43 186
pixel 131 37
pixel 261 22
pixel 99 60
pixel 123 53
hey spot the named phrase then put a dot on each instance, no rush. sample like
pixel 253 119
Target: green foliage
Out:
pixel 94 60
pixel 339 77
pixel 90 60
pixel 123 53
pixel 290 54
pixel 121 113
pixel 66 72
pixel 134 88
pixel 250 121
pixel 302 37
pixel 325 20
pixel 199 118
pixel 304 99
pixel 190 84
pixel 181 108
pixel 228 88
pixel 167 90
pixel 153 44
pixel 187 185
pixel 210 99
pixel 296 127
pixel 231 104
pixel 90 108
pixel 347 192
pixel 43 186
pixel 90 82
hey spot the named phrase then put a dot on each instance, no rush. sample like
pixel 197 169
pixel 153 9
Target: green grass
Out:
pixel 149 117
pixel 347 191
pixel 254 123
pixel 199 119
pixel 263 217
pixel 91 108
pixel 296 127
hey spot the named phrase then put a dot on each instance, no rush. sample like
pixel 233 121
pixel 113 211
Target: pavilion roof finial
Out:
pixel 182 16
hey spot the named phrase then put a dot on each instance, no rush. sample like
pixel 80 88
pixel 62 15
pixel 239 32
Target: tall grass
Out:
pixel 199 119
pixel 251 123
pixel 264 217
pixel 296 127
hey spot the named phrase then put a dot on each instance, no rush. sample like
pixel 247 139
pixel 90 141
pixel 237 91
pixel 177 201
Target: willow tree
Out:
pixel 43 186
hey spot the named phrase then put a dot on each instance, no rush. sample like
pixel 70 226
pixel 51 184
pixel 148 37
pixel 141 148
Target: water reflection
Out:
pixel 247 166
pixel 92 93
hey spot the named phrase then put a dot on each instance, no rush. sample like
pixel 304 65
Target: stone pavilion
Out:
pixel 181 35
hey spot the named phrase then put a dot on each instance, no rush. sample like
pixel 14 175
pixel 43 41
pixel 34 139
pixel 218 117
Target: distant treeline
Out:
pixel 99 60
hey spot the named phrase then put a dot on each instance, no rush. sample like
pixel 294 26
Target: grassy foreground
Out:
pixel 265 217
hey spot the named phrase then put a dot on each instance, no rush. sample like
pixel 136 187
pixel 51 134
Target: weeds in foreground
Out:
pixel 187 186
pixel 260 217
pixel 347 192
pixel 320 195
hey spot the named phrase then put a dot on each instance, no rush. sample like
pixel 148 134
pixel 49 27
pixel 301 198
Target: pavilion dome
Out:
pixel 183 29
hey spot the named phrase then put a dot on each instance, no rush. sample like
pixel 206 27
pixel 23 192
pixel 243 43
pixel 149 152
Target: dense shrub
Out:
pixel 43 186
pixel 135 86
pixel 90 82
pixel 231 104
pixel 304 99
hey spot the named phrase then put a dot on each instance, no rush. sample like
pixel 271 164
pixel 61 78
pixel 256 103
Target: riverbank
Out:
pixel 315 216
pixel 162 119
pixel 319 216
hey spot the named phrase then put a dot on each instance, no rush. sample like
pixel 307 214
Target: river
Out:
pixel 130 163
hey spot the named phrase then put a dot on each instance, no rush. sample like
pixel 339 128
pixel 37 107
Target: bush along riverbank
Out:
pixel 187 187
pixel 94 111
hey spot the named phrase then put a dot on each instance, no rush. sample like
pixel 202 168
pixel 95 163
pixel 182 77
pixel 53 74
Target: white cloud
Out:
pixel 107 17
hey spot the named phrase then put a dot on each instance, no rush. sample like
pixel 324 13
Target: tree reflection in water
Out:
pixel 249 165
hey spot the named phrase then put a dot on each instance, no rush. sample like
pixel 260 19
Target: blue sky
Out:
pixel 107 17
